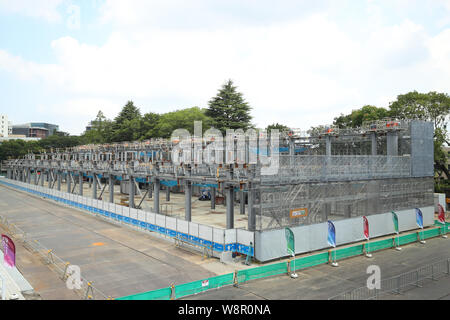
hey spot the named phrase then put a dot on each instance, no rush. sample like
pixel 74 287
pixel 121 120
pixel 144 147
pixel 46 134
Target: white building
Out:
pixel 4 126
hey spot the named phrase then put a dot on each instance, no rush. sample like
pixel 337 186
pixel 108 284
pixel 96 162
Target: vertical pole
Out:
pixel 250 209
pixel 131 191
pixel 328 145
pixel 392 143
pixel 59 177
pixel 373 138
pixel 42 178
pixel 94 185
pixel 156 199
pixel 150 190
pixel 230 206
pixel 213 198
pixel 111 188
pixel 69 181
pixel 28 175
pixel 242 202
pixel 187 200
pixel 80 183
pixel 167 193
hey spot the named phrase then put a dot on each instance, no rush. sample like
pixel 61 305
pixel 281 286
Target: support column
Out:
pixel 94 186
pixel 187 200
pixel 167 193
pixel 69 182
pixel 373 138
pixel 242 202
pixel 251 211
pixel 131 191
pixel 328 145
pixel 35 176
pixel 8 173
pixel 58 178
pixel 392 143
pixel 150 190
pixel 156 186
pixel 111 188
pixel 42 178
pixel 28 175
pixel 230 206
pixel 213 198
pixel 80 183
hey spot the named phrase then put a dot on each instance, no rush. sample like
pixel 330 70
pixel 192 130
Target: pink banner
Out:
pixel 441 214
pixel 366 227
pixel 9 251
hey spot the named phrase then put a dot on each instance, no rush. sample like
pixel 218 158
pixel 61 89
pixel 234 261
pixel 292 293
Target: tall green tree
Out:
pixel 277 126
pixel 358 116
pixel 149 125
pixel 182 119
pixel 127 125
pixel 229 110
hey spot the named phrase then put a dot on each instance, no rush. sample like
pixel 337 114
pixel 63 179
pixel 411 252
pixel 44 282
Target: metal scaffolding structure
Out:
pixel 322 174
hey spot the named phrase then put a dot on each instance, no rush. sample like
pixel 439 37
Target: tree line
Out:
pixel 229 110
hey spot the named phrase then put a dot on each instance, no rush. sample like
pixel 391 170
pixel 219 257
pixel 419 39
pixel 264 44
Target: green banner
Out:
pixel 395 220
pixel 290 241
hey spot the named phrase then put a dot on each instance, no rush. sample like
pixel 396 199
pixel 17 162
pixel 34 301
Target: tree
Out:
pixel 228 109
pixel 358 116
pixel 277 126
pixel 126 123
pixel 149 125
pixel 182 119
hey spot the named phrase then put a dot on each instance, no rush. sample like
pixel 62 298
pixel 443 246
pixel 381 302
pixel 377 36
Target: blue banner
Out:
pixel 419 218
pixel 331 234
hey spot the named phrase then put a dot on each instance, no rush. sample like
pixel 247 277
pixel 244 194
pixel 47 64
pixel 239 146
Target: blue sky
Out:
pixel 299 62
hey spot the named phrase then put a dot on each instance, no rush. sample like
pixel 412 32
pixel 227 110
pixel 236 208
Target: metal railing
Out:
pixel 396 284
pixel 86 291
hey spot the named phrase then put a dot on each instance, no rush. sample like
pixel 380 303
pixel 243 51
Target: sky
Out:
pixel 297 62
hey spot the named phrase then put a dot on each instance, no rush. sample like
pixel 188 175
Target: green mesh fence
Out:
pixel 430 233
pixel 261 272
pixel 408 238
pixel 310 261
pixel 282 267
pixel 348 252
pixel 194 287
pixel 380 245
pixel 160 294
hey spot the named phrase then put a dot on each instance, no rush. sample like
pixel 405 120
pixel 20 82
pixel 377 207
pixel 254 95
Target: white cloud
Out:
pixel 46 9
pixel 300 72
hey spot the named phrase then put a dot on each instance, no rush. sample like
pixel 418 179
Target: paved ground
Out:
pixel 120 261
pixel 325 281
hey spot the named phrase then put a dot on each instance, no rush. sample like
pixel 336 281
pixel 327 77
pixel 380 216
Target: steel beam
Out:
pixel 230 206
pixel 131 191
pixel 94 186
pixel 111 188
pixel 187 200
pixel 156 199
pixel 213 198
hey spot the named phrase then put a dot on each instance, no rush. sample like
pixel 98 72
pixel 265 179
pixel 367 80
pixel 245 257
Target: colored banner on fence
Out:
pixel 366 227
pixel 441 214
pixel 419 218
pixel 331 234
pixel 290 241
pixel 395 220
pixel 9 251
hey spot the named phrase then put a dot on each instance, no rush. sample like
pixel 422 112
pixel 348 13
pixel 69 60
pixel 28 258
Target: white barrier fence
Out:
pixel 217 239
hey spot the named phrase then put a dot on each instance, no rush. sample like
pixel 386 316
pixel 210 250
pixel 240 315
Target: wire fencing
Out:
pixel 83 288
pixel 397 284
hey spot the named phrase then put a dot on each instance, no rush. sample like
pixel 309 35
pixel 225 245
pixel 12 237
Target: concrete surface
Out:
pixel 324 281
pixel 118 260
